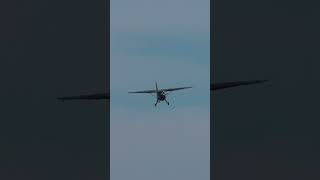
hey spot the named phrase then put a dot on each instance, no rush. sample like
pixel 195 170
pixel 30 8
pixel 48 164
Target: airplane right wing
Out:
pixel 86 97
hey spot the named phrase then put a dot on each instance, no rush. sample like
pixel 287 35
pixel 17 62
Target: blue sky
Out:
pixel 165 41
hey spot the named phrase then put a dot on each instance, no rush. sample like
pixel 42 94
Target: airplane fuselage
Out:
pixel 161 96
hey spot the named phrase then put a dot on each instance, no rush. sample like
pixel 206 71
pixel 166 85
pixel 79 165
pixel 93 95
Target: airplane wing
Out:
pixel 159 90
pixel 146 91
pixel 217 86
pixel 86 97
pixel 174 89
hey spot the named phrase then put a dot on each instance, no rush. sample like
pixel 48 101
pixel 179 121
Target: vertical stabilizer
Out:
pixel 156 86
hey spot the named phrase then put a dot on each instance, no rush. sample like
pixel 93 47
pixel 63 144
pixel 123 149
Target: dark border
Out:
pixel 106 5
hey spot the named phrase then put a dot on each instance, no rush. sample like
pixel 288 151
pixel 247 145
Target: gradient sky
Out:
pixel 168 42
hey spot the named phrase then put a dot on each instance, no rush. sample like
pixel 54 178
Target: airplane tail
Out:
pixel 156 86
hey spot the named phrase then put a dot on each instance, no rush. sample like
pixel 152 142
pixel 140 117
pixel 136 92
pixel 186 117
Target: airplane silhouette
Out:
pixel 161 94
pixel 213 87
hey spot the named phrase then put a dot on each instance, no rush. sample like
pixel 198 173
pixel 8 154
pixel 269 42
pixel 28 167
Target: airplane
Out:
pixel 213 87
pixel 161 94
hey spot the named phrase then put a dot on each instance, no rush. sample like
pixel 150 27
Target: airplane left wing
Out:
pixel 147 91
pixel 86 97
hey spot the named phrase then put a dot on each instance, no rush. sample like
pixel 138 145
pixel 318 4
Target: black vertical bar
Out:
pixel 107 48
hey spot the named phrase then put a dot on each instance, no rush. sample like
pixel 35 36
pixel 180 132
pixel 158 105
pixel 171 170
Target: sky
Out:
pixel 168 42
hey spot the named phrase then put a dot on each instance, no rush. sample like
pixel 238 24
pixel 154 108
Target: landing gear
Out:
pixel 167 102
pixel 159 100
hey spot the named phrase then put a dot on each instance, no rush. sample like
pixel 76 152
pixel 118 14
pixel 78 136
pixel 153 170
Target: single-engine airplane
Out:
pixel 162 94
